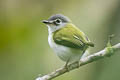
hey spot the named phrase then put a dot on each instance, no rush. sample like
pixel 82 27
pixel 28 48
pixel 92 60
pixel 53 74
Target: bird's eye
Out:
pixel 57 21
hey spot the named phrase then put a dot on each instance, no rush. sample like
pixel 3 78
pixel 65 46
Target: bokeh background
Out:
pixel 24 50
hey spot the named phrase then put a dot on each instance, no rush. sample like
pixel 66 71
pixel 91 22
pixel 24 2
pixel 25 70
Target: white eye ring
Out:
pixel 58 21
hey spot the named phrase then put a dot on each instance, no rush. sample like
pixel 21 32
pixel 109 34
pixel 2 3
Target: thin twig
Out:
pixel 108 51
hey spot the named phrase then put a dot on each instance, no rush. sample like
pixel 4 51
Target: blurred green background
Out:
pixel 24 50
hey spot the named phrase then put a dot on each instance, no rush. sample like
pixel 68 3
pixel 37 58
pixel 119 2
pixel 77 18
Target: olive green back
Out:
pixel 70 36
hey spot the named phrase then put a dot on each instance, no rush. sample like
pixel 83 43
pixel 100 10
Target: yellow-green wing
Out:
pixel 71 36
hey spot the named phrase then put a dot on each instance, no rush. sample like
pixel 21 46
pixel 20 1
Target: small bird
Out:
pixel 68 42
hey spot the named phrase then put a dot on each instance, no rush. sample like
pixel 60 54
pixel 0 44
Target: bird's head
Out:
pixel 57 21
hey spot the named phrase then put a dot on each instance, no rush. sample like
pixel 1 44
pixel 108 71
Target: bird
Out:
pixel 68 42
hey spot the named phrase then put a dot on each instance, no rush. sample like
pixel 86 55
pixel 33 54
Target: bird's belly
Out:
pixel 65 53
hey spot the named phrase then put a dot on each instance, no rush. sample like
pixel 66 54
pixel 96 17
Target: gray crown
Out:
pixel 61 17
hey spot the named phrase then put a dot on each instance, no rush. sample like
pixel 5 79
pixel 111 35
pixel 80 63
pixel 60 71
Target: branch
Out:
pixel 108 51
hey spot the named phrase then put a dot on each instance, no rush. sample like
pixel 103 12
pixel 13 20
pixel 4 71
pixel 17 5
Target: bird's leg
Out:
pixel 66 64
pixel 78 62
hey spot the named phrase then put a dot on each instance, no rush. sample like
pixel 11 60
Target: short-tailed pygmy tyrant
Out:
pixel 69 42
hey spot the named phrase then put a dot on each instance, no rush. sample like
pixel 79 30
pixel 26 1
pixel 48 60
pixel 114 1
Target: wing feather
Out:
pixel 70 36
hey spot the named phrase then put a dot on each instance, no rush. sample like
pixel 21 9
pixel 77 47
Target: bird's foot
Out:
pixel 66 65
pixel 77 64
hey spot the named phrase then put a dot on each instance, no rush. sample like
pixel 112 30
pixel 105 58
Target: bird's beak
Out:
pixel 47 22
